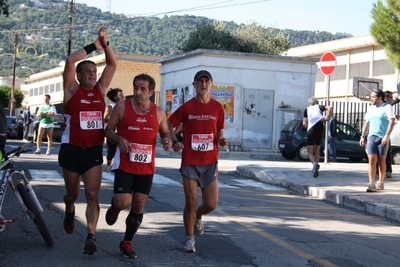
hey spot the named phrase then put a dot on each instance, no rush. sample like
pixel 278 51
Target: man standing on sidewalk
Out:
pixel 202 120
pixel 27 119
pixel 380 118
pixel 313 120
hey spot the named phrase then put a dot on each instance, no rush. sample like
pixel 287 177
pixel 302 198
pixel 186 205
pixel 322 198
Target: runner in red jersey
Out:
pixel 203 122
pixel 81 152
pixel 138 120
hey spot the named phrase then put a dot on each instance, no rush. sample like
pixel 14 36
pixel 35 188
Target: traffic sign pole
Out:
pixel 327 67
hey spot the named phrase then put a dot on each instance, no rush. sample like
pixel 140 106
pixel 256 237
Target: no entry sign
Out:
pixel 327 63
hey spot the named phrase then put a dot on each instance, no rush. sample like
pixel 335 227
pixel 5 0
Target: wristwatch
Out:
pixel 105 45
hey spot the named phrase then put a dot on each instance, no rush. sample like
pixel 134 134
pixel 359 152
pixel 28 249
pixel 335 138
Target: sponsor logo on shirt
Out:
pixel 202 117
pixel 90 94
pixel 84 101
pixel 133 128
pixel 147 129
pixel 142 120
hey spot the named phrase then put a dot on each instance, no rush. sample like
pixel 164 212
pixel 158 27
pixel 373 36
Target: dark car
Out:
pixel 17 129
pixel 293 142
pixel 10 121
pixel 59 127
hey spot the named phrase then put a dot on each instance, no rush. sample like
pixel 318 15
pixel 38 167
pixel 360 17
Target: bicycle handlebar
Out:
pixel 18 150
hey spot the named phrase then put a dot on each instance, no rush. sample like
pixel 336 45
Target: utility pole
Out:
pixel 71 11
pixel 12 99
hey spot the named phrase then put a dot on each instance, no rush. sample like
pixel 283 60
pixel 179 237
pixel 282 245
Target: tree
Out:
pixel 254 38
pixel 386 29
pixel 247 38
pixel 210 36
pixel 5 95
pixel 4 7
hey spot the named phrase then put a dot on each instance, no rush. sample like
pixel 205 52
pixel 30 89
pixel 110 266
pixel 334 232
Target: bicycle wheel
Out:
pixel 37 217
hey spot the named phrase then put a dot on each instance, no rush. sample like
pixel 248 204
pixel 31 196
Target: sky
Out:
pixel 349 16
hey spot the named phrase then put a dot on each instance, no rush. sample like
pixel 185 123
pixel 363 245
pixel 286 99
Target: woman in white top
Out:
pixel 115 95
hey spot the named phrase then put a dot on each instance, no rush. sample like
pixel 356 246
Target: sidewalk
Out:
pixel 343 183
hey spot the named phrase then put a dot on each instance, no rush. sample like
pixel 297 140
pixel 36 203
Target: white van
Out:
pixel 395 139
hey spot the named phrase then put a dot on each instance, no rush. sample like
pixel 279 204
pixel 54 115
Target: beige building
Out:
pixel 361 66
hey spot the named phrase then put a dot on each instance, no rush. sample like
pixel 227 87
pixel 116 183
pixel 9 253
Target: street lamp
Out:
pixel 12 99
pixel 25 67
pixel 71 11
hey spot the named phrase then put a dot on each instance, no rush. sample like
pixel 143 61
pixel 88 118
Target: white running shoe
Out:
pixel 108 168
pixel 48 152
pixel 189 246
pixel 37 152
pixel 199 227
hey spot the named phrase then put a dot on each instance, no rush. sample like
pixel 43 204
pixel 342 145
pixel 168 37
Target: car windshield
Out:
pixel 290 125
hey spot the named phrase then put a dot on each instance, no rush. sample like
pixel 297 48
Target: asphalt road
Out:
pixel 254 225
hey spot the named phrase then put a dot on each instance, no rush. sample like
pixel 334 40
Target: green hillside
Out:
pixel 43 31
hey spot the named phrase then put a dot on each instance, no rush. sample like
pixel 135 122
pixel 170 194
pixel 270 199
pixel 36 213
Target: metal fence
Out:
pixel 352 113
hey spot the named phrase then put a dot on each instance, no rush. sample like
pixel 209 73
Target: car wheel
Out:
pixel 356 160
pixel 288 155
pixel 396 156
pixel 302 152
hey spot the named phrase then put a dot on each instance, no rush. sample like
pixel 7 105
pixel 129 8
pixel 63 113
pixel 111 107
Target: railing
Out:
pixel 352 113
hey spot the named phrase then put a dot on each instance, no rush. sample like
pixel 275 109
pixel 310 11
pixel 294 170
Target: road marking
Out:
pixel 45 175
pixel 258 184
pixel 278 241
pixel 157 179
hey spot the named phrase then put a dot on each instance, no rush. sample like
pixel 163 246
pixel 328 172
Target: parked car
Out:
pixel 59 127
pixel 395 143
pixel 293 142
pixel 10 121
pixel 17 129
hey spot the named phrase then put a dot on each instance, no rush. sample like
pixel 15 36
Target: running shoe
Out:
pixel 371 188
pixel 126 250
pixel 315 170
pixel 37 152
pixel 90 245
pixel 380 186
pixel 199 227
pixel 388 175
pixel 48 152
pixel 189 246
pixel 69 222
pixel 111 215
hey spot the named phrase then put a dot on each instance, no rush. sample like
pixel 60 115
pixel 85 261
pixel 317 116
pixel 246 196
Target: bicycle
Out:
pixel 24 193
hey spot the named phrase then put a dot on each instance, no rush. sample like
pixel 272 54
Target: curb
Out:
pixel 340 198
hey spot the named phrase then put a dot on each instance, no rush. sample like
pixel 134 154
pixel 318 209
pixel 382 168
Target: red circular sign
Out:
pixel 327 63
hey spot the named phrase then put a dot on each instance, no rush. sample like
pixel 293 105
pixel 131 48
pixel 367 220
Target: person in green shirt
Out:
pixel 46 113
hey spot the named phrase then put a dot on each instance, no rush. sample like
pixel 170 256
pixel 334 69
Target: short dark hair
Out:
pixel 145 77
pixel 388 93
pixel 80 64
pixel 47 95
pixel 112 94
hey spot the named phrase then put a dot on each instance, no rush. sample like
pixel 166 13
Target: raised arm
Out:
pixel 111 62
pixel 70 84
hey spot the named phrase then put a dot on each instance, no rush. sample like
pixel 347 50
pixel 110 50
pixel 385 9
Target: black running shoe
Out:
pixel 126 250
pixel 111 215
pixel 90 245
pixel 69 222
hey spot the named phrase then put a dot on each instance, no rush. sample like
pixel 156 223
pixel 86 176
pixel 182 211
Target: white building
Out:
pixel 260 93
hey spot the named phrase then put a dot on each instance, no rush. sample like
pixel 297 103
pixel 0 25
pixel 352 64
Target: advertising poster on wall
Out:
pixel 174 98
pixel 225 96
